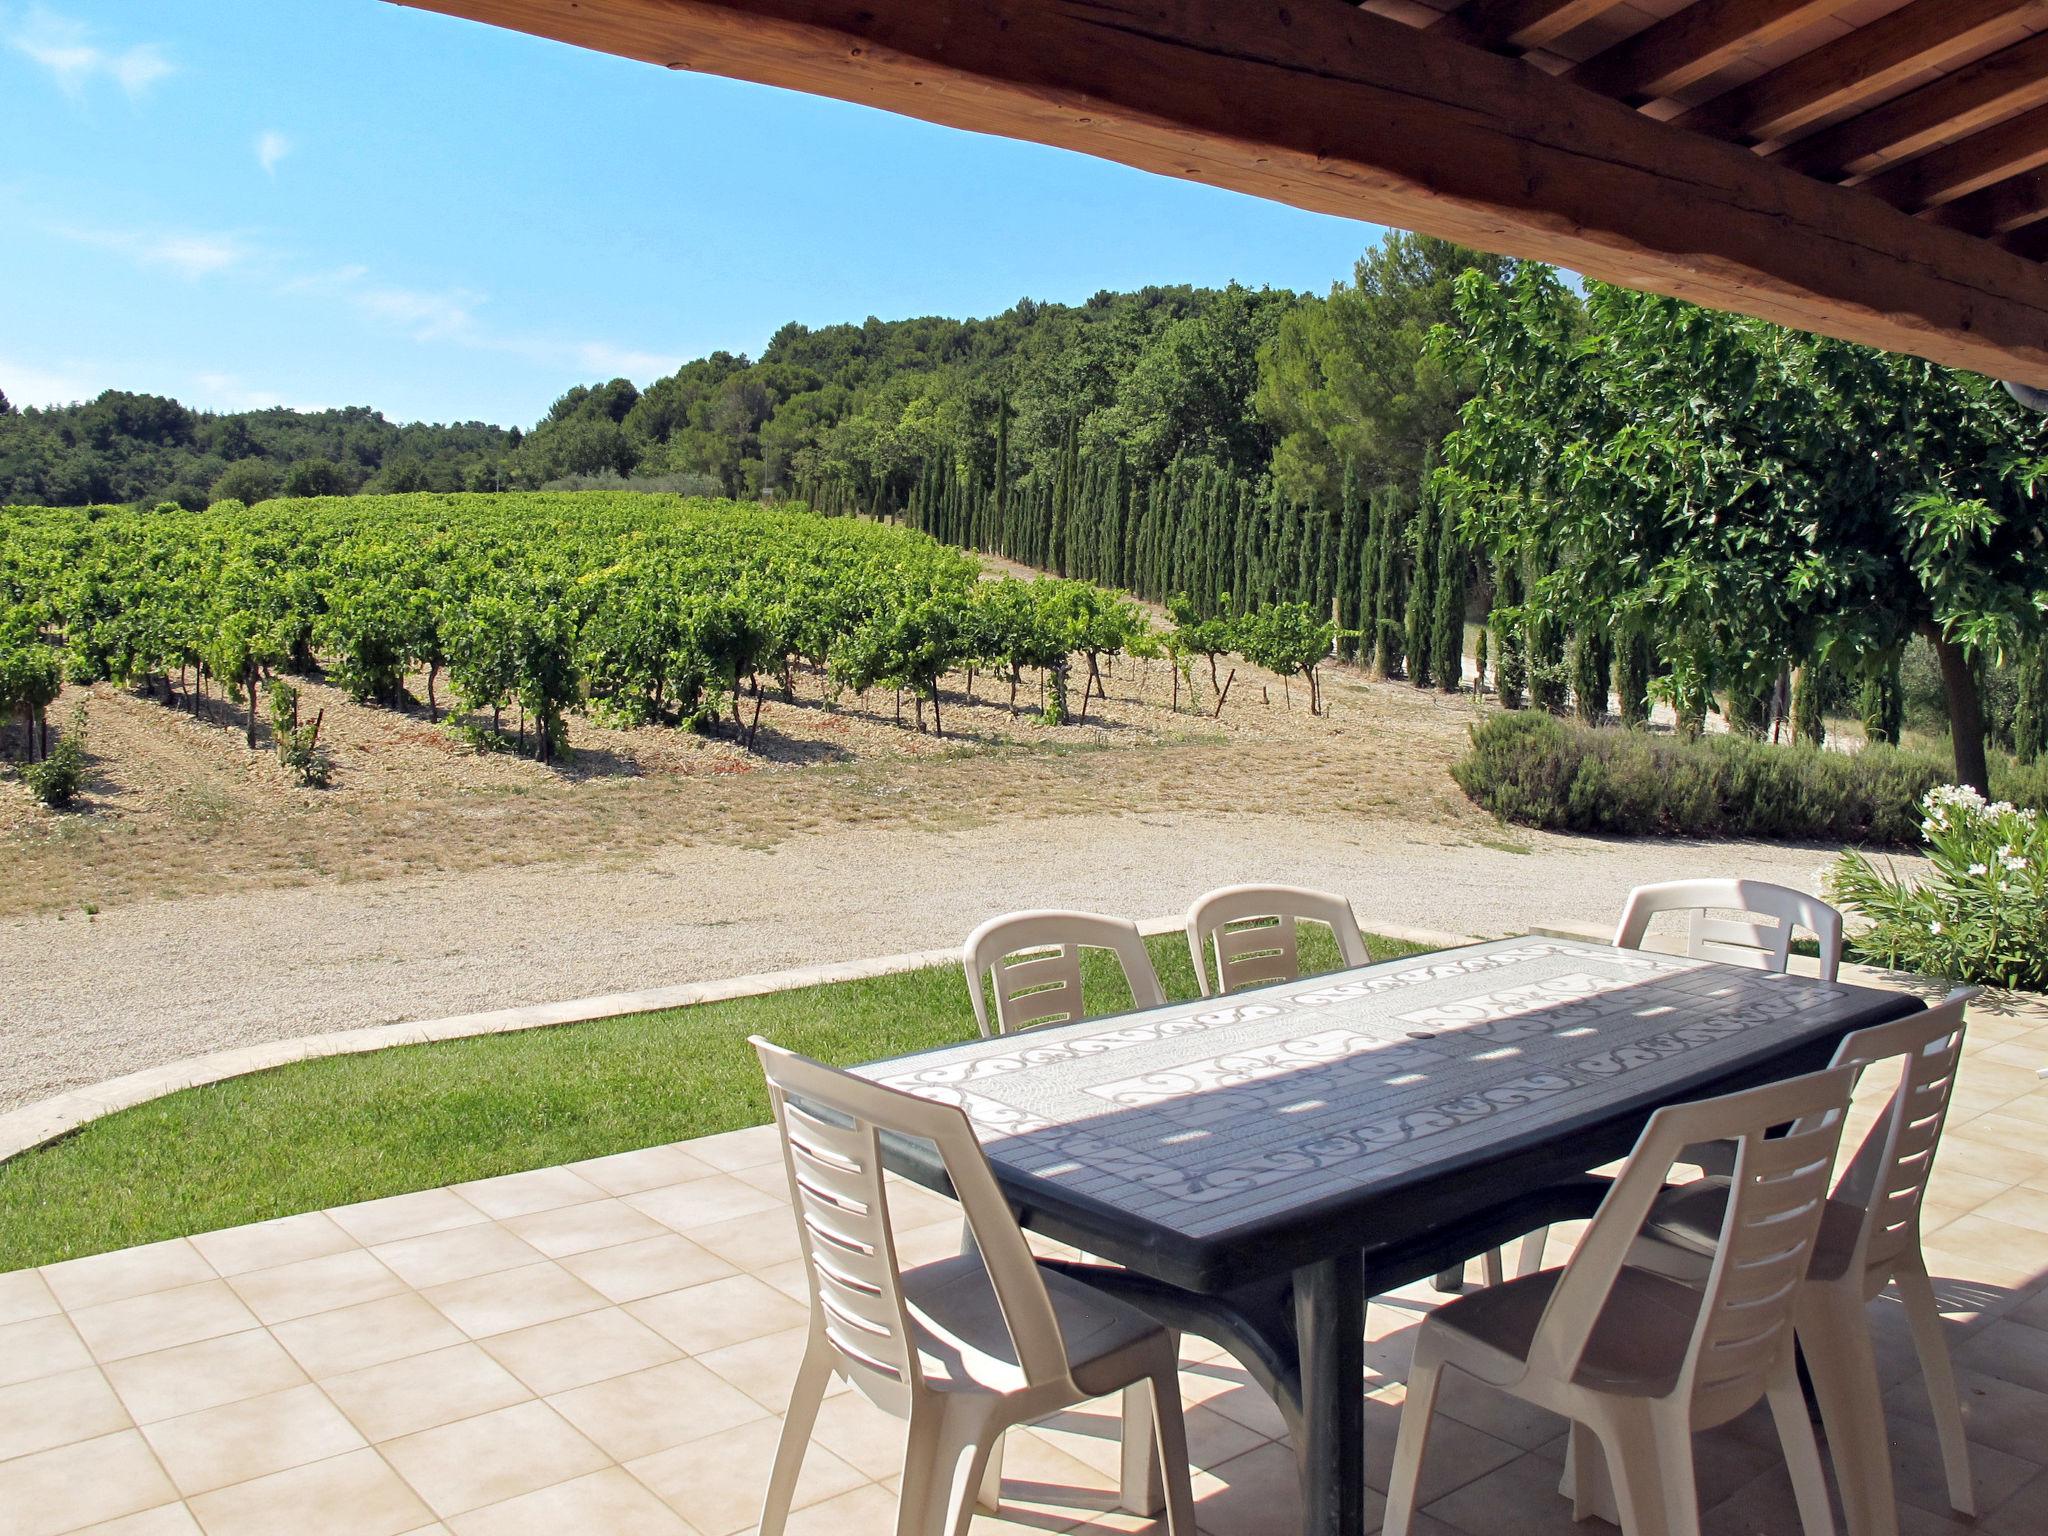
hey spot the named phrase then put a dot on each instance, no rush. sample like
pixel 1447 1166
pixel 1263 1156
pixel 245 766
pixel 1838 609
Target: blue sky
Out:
pixel 245 202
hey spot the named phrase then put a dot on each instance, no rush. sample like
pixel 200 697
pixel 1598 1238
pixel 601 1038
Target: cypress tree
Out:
pixel 1369 581
pixel 1387 632
pixel 2030 714
pixel 1591 664
pixel 1809 704
pixel 1632 662
pixel 1510 660
pixel 1447 623
pixel 1002 507
pixel 1422 592
pixel 1883 704
pixel 1349 538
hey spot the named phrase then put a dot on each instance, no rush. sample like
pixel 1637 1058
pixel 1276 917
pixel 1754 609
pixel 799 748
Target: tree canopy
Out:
pixel 1757 496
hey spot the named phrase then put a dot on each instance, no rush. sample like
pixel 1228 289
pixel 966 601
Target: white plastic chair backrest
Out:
pixel 1732 940
pixel 1045 986
pixel 1776 1198
pixel 1888 1175
pixel 831 1123
pixel 1251 929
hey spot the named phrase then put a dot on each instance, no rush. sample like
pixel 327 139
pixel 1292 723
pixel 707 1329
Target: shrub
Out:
pixel 1542 772
pixel 1980 914
pixel 58 778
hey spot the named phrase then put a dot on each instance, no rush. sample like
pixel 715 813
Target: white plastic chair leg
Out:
pixel 1924 1313
pixel 1531 1258
pixel 1585 1481
pixel 1834 1334
pixel 989 1496
pixel 1493 1265
pixel 812 1377
pixel 1802 1455
pixel 1142 1490
pixel 1410 1445
pixel 919 1503
pixel 1170 1439
pixel 968 1436
pixel 1648 1458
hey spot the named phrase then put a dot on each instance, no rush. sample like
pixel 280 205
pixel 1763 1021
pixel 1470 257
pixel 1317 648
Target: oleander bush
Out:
pixel 1979 913
pixel 1536 770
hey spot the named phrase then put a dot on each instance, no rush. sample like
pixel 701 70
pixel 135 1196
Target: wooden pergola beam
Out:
pixel 2000 208
pixel 1865 63
pixel 1313 103
pixel 1954 170
pixel 1689 45
pixel 1517 23
pixel 1975 96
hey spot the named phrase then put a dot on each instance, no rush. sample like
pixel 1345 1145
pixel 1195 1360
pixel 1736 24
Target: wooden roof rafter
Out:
pixel 1865 168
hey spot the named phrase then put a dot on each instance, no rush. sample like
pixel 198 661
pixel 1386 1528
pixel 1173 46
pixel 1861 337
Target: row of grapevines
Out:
pixel 641 609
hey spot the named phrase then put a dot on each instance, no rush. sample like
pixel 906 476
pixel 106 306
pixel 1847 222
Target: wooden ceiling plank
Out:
pixel 1956 169
pixel 1864 63
pixel 1689 45
pixel 1976 95
pixel 1520 24
pixel 1347 113
pixel 2030 242
pixel 2000 208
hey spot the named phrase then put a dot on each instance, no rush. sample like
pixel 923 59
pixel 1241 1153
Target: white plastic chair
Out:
pixel 1730 940
pixel 1252 932
pixel 1638 1361
pixel 1045 986
pixel 962 1348
pixel 1869 1238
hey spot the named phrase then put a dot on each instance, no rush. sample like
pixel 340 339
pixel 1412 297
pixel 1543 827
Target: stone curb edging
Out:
pixel 45 1120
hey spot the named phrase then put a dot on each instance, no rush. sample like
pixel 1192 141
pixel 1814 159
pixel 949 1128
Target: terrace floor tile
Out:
pixel 609 1347
pixel 40 1346
pixel 192 1377
pixel 268 1244
pixel 82 1483
pixel 253 1438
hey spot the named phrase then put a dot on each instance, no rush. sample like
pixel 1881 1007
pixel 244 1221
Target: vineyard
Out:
pixel 513 612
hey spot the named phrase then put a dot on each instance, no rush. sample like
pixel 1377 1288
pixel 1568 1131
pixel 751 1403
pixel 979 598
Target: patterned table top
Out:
pixel 1219 1115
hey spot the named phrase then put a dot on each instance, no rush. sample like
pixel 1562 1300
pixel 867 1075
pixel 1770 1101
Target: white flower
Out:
pixel 1999 808
pixel 1934 928
pixel 1980 869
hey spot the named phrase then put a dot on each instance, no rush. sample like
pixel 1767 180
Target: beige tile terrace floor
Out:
pixel 606 1348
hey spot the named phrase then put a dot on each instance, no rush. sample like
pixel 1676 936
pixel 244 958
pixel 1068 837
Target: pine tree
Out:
pixel 1422 547
pixel 1447 623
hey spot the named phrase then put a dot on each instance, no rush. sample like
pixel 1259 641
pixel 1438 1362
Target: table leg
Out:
pixel 1329 1321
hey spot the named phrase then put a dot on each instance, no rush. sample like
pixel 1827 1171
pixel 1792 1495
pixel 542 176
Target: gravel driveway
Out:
pixel 149 982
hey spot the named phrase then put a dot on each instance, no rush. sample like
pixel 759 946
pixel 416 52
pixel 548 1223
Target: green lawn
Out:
pixel 351 1128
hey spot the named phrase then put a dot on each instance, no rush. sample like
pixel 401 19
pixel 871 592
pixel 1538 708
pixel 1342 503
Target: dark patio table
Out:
pixel 1260 1165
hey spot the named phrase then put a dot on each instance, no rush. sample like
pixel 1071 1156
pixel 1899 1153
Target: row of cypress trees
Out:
pixel 1384 563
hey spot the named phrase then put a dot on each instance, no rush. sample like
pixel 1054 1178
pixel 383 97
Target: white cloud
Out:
pixel 230 392
pixel 271 147
pixel 66 48
pixel 600 357
pixel 192 254
pixel 31 384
